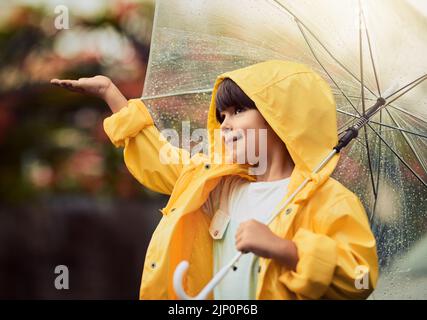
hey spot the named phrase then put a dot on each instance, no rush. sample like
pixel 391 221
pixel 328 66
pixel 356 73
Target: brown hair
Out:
pixel 228 95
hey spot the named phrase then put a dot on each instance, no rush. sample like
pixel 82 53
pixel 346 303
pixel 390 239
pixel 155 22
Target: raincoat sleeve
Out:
pixel 339 259
pixel 132 127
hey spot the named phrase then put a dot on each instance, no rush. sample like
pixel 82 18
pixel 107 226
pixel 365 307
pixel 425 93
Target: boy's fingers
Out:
pixel 65 85
pixel 72 85
pixel 64 82
pixel 55 82
pixel 69 84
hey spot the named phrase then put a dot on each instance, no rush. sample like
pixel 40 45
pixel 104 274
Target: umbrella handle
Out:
pixel 181 269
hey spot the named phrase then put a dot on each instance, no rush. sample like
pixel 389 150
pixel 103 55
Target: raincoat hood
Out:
pixel 298 105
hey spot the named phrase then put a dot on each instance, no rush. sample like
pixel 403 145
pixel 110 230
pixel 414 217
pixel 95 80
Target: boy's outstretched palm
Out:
pixel 95 86
pixel 98 86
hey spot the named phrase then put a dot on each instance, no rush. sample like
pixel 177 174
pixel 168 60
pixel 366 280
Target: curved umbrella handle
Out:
pixel 182 267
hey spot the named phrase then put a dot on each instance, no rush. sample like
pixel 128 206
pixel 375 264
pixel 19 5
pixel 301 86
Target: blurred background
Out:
pixel 66 197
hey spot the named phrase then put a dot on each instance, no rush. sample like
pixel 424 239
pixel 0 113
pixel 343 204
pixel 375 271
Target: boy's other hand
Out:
pixel 96 86
pixel 256 237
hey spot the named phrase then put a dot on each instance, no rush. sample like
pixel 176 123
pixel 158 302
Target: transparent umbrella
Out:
pixel 364 49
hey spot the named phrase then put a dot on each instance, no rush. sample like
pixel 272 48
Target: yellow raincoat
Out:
pixel 326 221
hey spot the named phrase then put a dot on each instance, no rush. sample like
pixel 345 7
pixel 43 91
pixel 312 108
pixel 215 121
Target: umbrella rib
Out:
pixel 407 113
pixel 321 44
pixel 343 93
pixel 408 142
pixel 368 152
pixel 362 80
pixel 370 50
pixel 406 91
pixel 416 81
pixel 399 157
pixel 378 175
pixel 361 142
pixel 324 68
pixel 357 97
pixel 382 124
pixel 362 90
pixel 182 93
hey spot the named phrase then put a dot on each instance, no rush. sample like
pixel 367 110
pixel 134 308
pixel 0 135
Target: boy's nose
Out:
pixel 225 128
pixel 225 125
pixel 225 131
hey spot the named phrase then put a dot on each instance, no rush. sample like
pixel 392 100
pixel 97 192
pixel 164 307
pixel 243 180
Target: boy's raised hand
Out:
pixel 98 86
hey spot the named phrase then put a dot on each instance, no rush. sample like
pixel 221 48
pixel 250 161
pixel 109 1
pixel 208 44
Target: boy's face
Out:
pixel 245 132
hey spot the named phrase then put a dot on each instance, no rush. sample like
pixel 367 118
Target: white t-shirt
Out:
pixel 242 200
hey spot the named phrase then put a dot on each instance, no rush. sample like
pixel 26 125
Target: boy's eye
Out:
pixel 238 110
pixel 235 110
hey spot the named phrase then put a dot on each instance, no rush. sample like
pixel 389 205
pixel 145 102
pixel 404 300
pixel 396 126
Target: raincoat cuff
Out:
pixel 316 265
pixel 127 122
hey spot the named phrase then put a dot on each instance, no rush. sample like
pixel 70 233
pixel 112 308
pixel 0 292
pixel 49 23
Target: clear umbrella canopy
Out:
pixel 364 49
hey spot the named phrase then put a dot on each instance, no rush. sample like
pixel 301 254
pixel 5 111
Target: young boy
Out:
pixel 319 246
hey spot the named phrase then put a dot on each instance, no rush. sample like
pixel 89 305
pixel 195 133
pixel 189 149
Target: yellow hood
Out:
pixel 298 105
